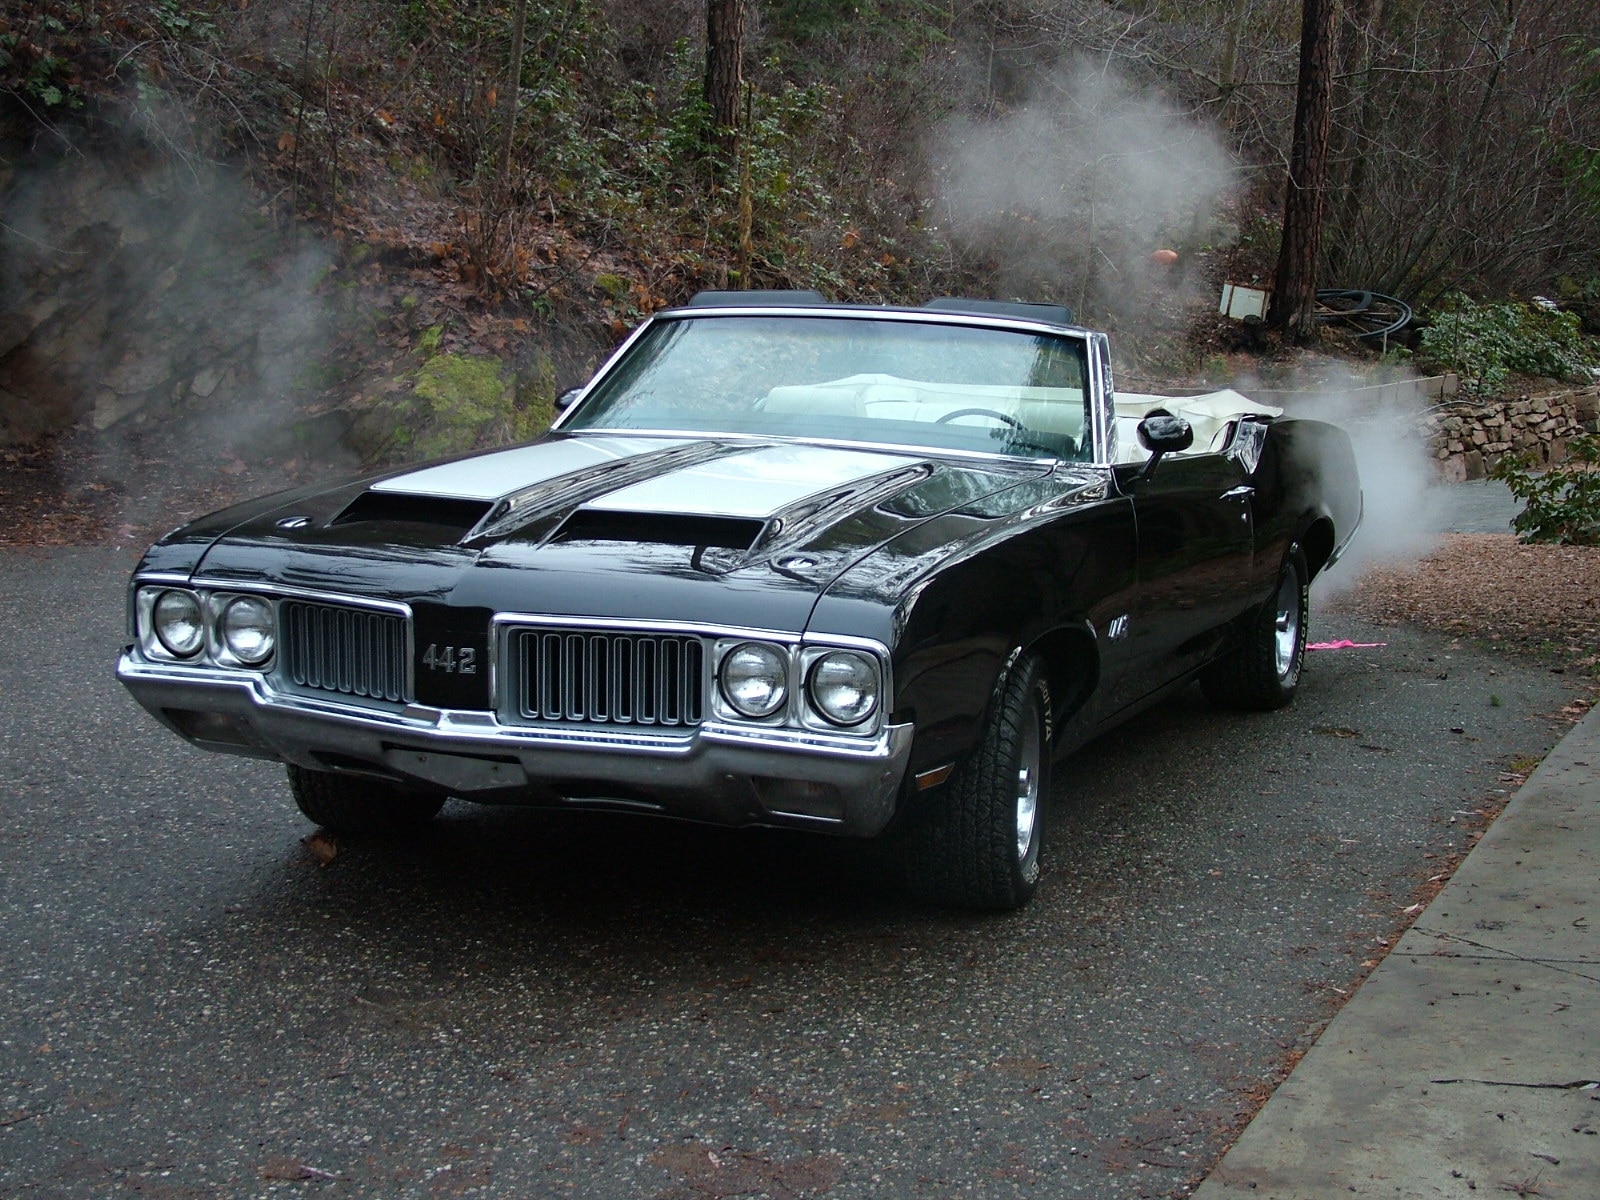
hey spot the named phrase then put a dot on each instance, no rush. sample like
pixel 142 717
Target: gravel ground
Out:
pixel 1540 601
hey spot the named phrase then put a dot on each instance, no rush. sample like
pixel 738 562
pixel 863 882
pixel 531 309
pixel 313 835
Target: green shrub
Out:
pixel 42 53
pixel 1484 343
pixel 1563 502
pixel 1581 296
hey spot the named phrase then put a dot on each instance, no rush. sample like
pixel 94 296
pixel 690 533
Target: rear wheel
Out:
pixel 978 845
pixel 1264 672
pixel 354 804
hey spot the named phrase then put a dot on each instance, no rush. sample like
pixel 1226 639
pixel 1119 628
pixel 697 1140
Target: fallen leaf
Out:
pixel 291 1170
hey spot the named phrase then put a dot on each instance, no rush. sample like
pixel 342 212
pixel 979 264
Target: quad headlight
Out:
pixel 245 626
pixel 843 686
pixel 225 628
pixel 179 623
pixel 754 678
pixel 826 689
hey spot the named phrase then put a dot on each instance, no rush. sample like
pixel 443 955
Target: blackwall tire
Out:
pixel 1264 672
pixel 977 844
pixel 352 804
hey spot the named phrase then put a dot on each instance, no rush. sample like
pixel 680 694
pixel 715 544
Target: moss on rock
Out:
pixel 464 402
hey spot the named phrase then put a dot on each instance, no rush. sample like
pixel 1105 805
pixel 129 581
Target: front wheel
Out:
pixel 978 845
pixel 1263 673
pixel 358 805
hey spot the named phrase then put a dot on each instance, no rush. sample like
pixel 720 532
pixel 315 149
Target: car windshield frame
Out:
pixel 929 382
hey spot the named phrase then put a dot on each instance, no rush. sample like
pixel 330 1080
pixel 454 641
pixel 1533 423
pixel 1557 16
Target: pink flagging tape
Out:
pixel 1345 644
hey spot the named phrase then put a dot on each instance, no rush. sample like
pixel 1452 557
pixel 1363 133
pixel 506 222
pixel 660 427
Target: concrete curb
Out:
pixel 1468 1064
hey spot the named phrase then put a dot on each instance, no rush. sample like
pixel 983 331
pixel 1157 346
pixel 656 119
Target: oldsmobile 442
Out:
pixel 869 571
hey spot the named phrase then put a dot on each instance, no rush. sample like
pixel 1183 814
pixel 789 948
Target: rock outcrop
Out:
pixel 136 288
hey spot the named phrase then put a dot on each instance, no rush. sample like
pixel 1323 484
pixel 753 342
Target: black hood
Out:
pixel 715 531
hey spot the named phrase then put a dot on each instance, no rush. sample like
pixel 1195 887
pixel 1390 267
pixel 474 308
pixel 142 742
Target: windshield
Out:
pixel 895 382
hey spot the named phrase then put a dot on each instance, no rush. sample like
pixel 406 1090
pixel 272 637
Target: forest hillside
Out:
pixel 344 232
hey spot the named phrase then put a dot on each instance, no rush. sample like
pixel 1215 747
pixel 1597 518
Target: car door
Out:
pixel 1195 544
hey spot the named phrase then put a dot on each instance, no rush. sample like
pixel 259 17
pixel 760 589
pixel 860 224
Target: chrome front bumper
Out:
pixel 719 772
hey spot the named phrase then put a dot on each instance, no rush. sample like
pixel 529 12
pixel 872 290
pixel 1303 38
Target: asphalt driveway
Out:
pixel 521 1004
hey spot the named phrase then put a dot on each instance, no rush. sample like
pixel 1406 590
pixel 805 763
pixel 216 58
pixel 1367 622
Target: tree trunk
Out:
pixel 1294 292
pixel 724 72
pixel 1227 71
pixel 1349 148
pixel 519 24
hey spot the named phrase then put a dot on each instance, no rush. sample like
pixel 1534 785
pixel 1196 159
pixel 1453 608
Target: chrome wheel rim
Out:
pixel 1028 770
pixel 1286 637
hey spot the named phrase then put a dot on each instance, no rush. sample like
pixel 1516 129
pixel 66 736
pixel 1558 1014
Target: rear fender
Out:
pixel 1308 492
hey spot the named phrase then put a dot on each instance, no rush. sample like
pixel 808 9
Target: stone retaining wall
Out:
pixel 1464 435
pixel 1468 436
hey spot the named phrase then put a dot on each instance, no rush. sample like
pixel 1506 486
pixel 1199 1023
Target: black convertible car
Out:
pixel 861 570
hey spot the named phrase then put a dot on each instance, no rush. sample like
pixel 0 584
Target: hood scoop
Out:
pixel 798 523
pixel 529 505
pixel 666 529
pixel 401 508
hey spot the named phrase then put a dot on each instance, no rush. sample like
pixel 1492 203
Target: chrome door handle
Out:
pixel 1243 492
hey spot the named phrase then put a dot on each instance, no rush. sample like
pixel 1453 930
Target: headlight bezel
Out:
pixel 227 651
pixel 801 709
pixel 158 636
pixel 214 647
pixel 817 659
pixel 782 662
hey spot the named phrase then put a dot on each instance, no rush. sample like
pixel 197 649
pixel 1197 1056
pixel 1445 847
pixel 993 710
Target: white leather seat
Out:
pixel 1212 416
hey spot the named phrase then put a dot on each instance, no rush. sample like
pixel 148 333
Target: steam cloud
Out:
pixel 1402 502
pixel 1069 194
pixel 150 298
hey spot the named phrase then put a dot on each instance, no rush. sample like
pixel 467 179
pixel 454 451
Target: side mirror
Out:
pixel 565 400
pixel 1162 433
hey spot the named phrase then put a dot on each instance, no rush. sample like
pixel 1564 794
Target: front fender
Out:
pixel 1051 578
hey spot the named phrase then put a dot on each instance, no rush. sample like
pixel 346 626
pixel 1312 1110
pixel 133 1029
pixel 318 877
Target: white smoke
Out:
pixel 1068 195
pixel 149 298
pixel 1400 487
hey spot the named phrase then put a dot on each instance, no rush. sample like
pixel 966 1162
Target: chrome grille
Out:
pixel 573 675
pixel 343 650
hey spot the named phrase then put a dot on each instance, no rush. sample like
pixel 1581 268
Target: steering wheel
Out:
pixel 1004 418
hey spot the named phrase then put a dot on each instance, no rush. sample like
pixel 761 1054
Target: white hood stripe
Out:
pixel 754 483
pixel 491 476
pixel 757 485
